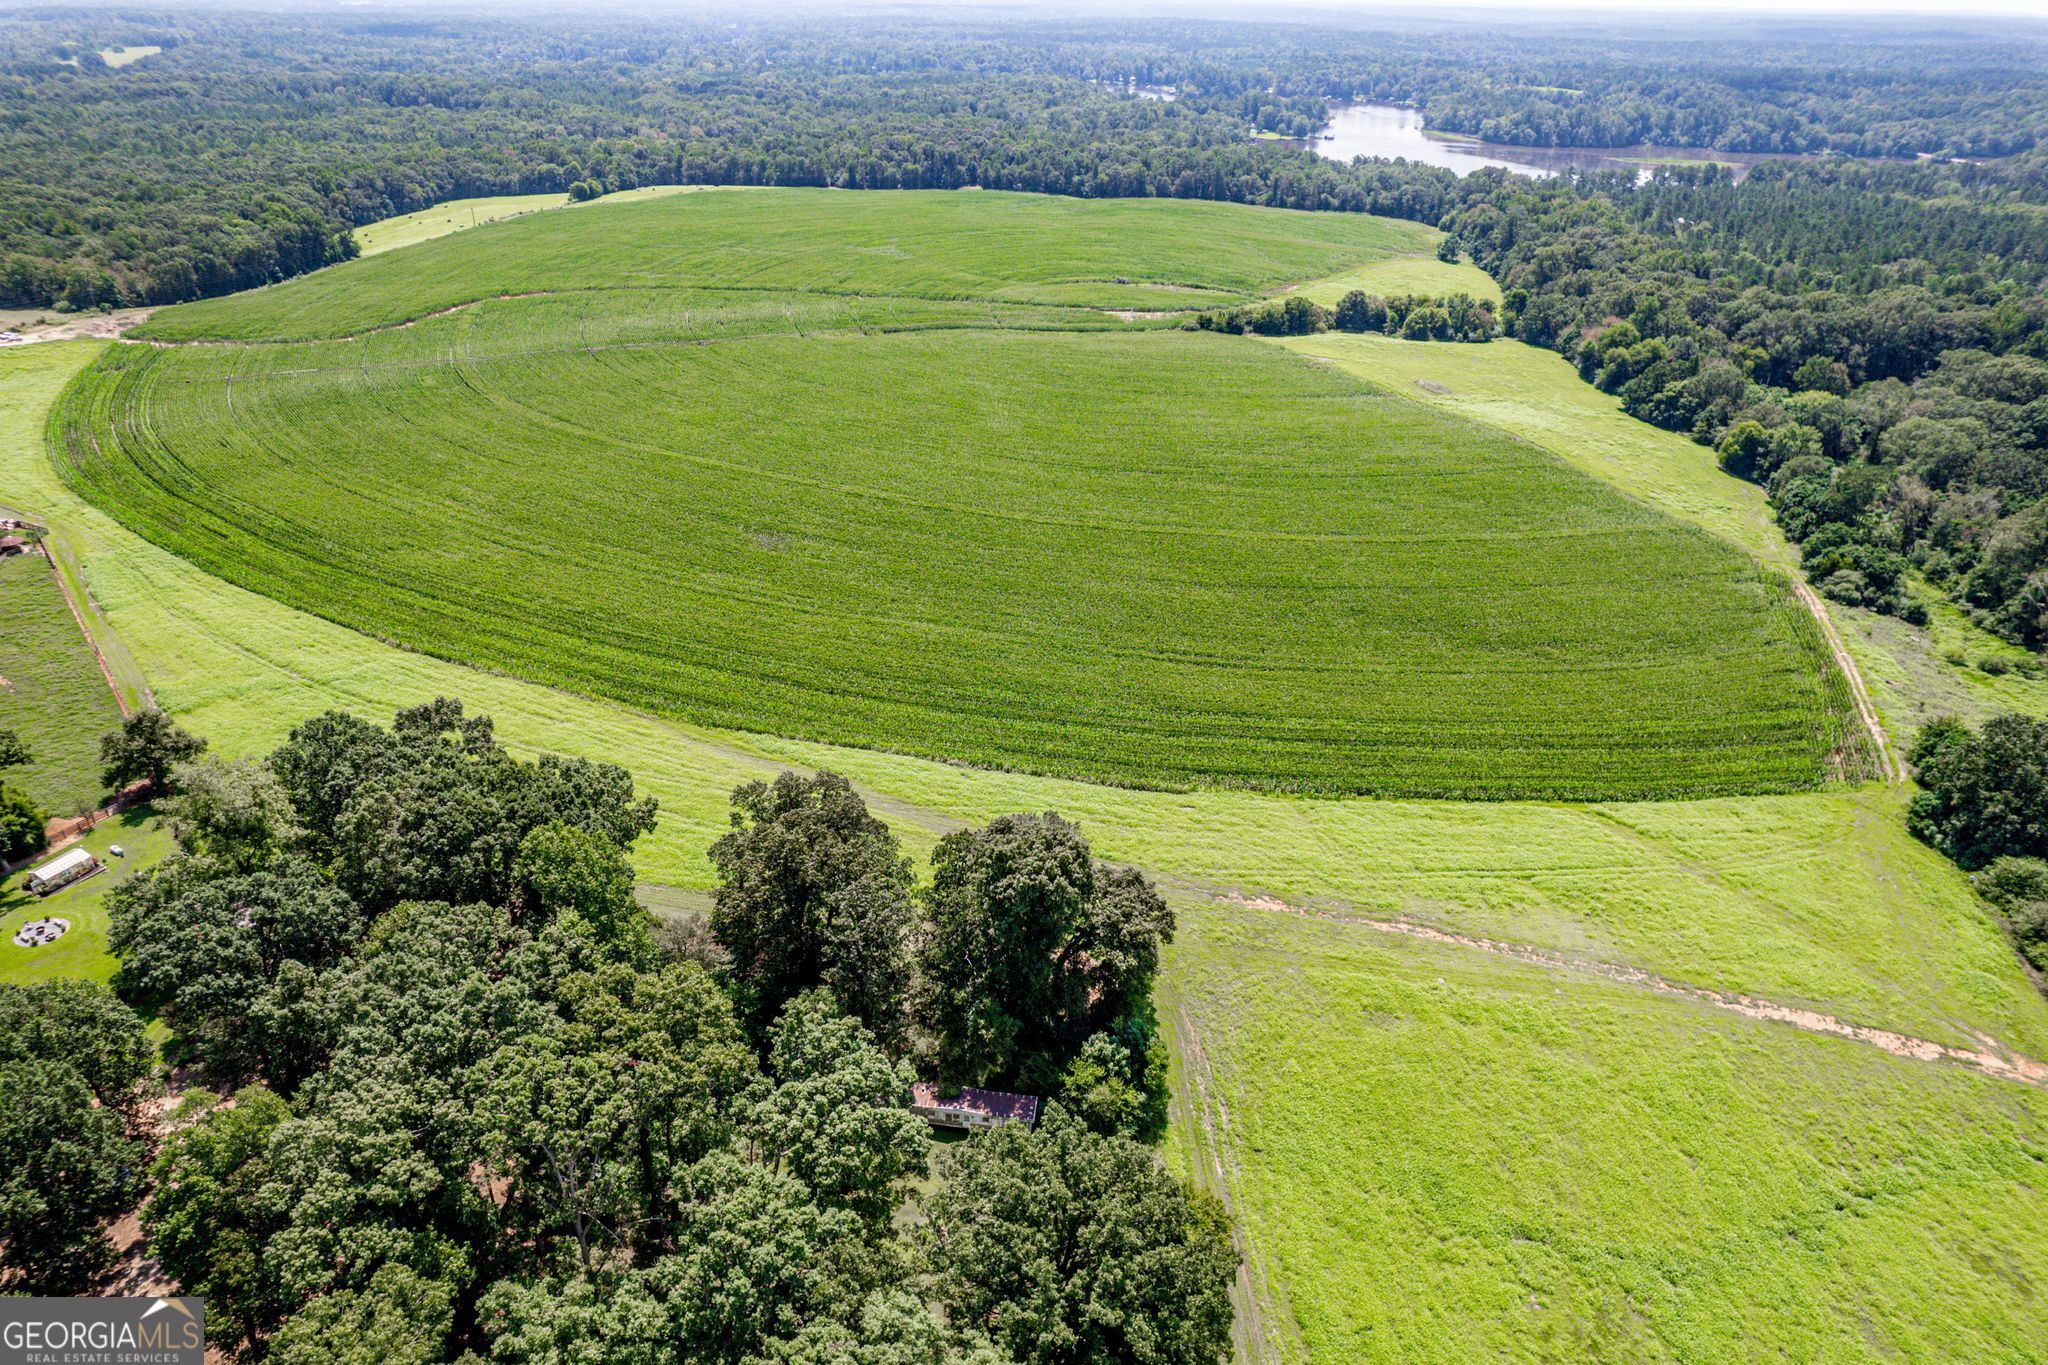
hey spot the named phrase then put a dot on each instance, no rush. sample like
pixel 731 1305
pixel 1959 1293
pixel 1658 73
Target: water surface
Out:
pixel 1389 130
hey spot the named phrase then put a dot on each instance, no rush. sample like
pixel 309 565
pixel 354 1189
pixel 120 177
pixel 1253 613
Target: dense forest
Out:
pixel 449 1087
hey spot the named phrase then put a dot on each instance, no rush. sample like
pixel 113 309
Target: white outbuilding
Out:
pixel 62 870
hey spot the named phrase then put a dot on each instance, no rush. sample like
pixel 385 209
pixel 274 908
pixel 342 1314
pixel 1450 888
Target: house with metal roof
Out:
pixel 971 1109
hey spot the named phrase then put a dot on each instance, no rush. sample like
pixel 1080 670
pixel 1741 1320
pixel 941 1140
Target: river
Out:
pixel 1390 130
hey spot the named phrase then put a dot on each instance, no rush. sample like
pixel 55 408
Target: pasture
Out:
pixel 1443 1155
pixel 945 502
pixel 52 693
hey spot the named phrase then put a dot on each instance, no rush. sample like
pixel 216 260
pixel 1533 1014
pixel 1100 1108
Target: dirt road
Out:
pixel 1991 1059
pixel 1893 767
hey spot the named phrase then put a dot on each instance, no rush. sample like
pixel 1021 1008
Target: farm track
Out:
pixel 2001 1063
pixel 1889 763
pixel 91 642
pixel 1127 315
pixel 1264 1331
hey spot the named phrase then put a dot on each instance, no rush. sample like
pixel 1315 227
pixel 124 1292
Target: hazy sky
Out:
pixel 1538 8
pixel 1646 10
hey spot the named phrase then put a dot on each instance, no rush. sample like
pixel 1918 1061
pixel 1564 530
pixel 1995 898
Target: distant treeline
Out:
pixel 245 152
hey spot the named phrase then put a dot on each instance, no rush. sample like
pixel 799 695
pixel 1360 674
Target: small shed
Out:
pixel 12 545
pixel 62 870
pixel 970 1109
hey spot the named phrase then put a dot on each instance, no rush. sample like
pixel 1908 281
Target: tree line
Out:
pixel 1415 317
pixel 1984 802
pixel 467 1096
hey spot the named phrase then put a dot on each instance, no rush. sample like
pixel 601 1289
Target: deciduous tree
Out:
pixel 1070 1249
pixel 146 748
pixel 813 891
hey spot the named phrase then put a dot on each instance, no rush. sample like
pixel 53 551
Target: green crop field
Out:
pixel 956 244
pixel 942 502
pixel 52 693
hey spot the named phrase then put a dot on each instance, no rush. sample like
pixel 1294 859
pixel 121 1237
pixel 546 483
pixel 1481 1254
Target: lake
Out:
pixel 1389 130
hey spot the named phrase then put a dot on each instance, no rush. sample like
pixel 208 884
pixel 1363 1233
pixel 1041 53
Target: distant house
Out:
pixel 63 870
pixel 973 1110
pixel 12 545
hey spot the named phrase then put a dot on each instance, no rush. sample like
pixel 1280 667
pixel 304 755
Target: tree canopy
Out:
pixel 510 1124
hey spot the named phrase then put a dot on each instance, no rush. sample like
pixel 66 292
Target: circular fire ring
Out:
pixel 38 932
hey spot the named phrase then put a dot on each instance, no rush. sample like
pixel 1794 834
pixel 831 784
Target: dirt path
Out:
pixel 1992 1061
pixel 1894 770
pixel 77 327
pixel 78 615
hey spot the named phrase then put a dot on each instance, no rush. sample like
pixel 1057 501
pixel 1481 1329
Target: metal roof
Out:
pixel 997 1104
pixel 63 863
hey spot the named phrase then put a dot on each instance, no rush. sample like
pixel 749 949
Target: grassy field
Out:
pixel 1412 1160
pixel 457 215
pixel 124 56
pixel 83 951
pixel 1441 1155
pixel 1398 275
pixel 1139 555
pixel 410 229
pixel 952 244
pixel 52 693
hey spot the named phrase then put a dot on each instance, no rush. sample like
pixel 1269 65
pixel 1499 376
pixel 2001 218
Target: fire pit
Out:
pixel 37 932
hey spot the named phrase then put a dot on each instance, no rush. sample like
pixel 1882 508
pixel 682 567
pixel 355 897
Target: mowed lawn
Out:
pixel 970 524
pixel 1442 1155
pixel 52 693
pixel 82 952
